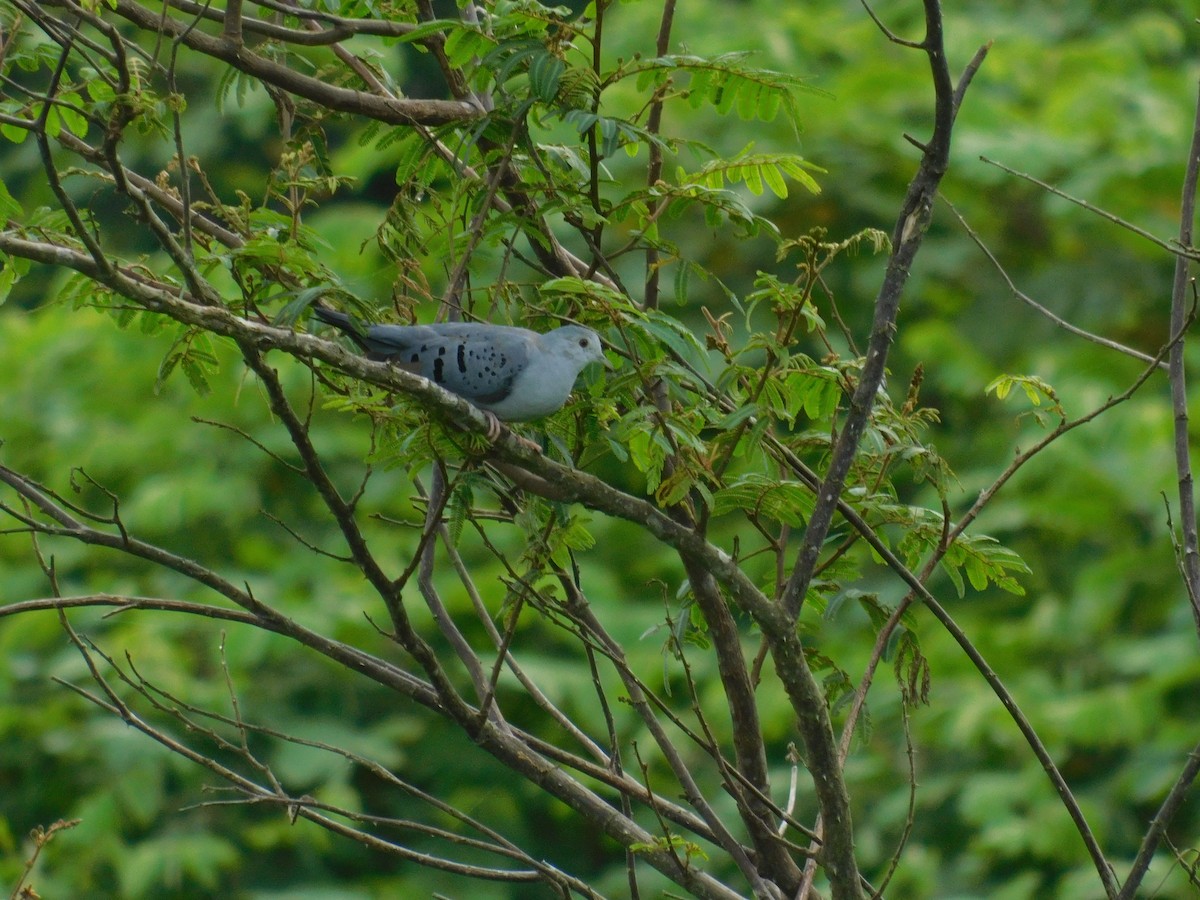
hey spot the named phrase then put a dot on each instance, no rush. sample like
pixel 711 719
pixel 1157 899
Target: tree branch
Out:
pixel 907 237
pixel 388 110
pixel 1179 399
pixel 1033 304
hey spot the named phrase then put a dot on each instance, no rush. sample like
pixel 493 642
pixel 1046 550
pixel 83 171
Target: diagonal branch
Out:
pixel 272 791
pixel 379 671
pixel 1030 302
pixel 340 28
pixel 1183 248
pixel 392 111
pixel 1158 825
pixel 907 237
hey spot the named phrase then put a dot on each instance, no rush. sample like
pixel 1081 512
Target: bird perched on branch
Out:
pixel 512 374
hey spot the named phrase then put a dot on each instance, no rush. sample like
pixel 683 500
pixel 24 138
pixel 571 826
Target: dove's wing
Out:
pixel 479 362
pixel 514 373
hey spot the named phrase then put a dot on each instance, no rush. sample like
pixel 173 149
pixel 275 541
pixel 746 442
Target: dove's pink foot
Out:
pixel 493 433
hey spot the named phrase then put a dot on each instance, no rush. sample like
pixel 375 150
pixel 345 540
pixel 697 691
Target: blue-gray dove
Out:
pixel 512 374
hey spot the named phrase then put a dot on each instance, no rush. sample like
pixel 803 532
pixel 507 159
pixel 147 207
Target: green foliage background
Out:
pixel 1095 98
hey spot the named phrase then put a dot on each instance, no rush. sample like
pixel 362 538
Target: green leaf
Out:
pixel 464 44
pixel 754 169
pixel 682 272
pixel 610 134
pixel 545 73
pixel 728 81
pixel 774 179
pixel 1035 389
pixel 67 109
pixel 675 487
pixel 581 119
pixel 427 29
pixel 984 561
pixel 9 207
pixel 737 417
pixel 725 95
pixel 8 277
pixel 673 333
pixel 13 133
pixel 788 502
pixel 192 352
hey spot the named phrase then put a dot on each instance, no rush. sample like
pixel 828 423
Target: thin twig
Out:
pixel 888 33
pixel 1178 249
pixel 1029 301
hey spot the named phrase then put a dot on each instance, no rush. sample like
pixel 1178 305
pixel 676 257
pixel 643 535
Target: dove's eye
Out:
pixel 583 342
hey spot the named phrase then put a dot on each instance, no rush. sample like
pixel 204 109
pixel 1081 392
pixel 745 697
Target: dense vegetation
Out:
pixel 364 654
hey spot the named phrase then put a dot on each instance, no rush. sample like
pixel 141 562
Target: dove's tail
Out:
pixel 342 322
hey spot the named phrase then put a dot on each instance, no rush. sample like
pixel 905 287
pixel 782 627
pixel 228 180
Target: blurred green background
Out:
pixel 1094 97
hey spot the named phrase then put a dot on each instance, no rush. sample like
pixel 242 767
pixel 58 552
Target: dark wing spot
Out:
pixel 438 373
pixel 462 358
pixel 415 358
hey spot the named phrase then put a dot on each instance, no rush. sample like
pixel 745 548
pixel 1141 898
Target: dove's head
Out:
pixel 580 345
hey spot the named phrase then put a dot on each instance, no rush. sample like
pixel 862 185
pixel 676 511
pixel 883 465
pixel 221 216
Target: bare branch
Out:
pixel 1180 316
pixel 888 33
pixel 391 111
pixel 906 241
pixel 1029 301
pixel 1157 832
pixel 1180 249
pixel 124 603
